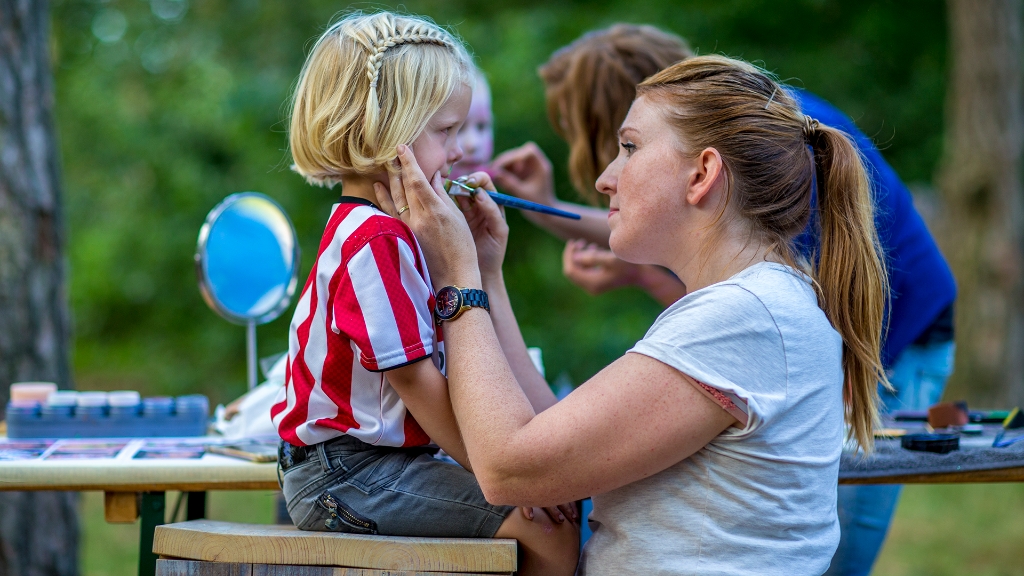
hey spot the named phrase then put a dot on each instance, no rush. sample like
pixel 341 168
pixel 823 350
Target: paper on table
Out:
pixel 23 450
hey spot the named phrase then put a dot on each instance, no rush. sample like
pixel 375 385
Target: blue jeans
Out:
pixel 919 376
pixel 344 485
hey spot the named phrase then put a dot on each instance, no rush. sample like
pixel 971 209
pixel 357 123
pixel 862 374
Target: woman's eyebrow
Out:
pixel 624 129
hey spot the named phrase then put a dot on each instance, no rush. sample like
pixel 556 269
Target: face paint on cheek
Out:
pixel 486 144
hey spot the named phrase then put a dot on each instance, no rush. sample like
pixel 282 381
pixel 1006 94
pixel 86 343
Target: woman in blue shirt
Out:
pixel 590 85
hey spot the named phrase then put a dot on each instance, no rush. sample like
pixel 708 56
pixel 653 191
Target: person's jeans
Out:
pixel 919 376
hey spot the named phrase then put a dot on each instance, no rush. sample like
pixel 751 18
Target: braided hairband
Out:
pixel 376 59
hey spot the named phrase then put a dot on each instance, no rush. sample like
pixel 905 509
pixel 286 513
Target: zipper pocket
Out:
pixel 340 513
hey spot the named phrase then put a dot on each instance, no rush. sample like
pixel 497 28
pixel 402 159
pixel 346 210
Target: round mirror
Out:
pixel 247 259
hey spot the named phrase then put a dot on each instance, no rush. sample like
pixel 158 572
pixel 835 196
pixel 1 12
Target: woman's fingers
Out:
pixel 509 158
pixel 398 196
pixel 418 192
pixel 593 256
pixel 481 206
pixel 569 510
pixel 558 514
pixel 442 231
pixel 465 203
pixel 437 185
pixel 513 167
pixel 384 200
pixel 487 205
pixel 515 159
pixel 555 512
pixel 572 247
pixel 480 180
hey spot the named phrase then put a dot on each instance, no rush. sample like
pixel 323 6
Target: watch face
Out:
pixel 449 302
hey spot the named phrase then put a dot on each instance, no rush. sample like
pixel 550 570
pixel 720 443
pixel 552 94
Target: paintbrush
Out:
pixel 459 188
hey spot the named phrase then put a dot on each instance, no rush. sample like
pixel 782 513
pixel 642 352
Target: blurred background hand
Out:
pixel 525 172
pixel 598 270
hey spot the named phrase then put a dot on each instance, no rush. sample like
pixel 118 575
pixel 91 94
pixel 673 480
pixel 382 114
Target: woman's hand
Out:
pixel 487 222
pixel 440 228
pixel 525 172
pixel 558 514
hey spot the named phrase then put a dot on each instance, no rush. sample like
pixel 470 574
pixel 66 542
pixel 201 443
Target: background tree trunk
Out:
pixel 980 181
pixel 38 530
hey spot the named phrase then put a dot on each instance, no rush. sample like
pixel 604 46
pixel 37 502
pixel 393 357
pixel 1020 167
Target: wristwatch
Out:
pixel 452 301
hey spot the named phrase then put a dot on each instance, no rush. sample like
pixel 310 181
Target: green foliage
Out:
pixel 166 106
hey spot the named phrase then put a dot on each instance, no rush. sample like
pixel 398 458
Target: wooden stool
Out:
pixel 213 548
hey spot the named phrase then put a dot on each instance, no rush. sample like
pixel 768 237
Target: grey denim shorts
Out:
pixel 346 485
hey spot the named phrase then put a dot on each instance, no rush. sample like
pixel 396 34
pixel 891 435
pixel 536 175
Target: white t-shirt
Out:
pixel 760 499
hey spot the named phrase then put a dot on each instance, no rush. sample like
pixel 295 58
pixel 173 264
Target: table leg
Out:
pixel 152 513
pixel 196 507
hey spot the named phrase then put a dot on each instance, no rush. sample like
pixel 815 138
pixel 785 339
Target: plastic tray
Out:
pixel 191 421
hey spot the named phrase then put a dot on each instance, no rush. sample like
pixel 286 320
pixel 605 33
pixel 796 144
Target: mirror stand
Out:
pixel 250 353
pixel 247 261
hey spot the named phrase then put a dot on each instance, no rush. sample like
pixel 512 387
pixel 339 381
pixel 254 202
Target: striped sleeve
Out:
pixel 382 303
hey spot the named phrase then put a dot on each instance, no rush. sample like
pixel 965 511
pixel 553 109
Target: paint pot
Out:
pixel 158 406
pixel 62 398
pixel 91 400
pixel 36 391
pixel 192 404
pixel 23 408
pixel 124 404
pixel 937 443
pixel 91 405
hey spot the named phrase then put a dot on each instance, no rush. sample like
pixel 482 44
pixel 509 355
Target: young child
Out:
pixel 365 401
pixel 476 137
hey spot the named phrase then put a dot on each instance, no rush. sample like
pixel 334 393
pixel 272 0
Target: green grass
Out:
pixel 939 530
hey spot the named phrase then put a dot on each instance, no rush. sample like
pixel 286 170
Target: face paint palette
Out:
pixel 69 414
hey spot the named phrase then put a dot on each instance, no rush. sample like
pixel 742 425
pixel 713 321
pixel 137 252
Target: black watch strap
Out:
pixel 476 298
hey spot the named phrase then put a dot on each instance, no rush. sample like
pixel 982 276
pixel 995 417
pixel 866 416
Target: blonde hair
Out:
pixel 589 86
pixel 773 153
pixel 370 83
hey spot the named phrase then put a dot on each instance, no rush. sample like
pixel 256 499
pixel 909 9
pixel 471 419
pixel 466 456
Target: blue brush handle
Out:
pixel 513 202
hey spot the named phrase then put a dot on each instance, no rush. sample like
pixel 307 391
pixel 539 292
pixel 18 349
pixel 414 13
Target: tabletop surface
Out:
pixel 125 471
pixel 977 460
pixel 66 466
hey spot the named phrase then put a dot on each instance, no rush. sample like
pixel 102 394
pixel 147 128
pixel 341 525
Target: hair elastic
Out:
pixel 810 127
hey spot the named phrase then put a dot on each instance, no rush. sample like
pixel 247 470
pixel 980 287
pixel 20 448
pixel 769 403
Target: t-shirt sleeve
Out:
pixel 383 304
pixel 726 340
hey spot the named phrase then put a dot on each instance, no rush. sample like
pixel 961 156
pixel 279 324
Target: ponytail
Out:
pixel 850 278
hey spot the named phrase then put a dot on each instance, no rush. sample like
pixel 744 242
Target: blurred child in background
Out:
pixel 476 137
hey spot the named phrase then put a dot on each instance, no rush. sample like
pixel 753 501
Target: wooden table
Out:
pixel 976 461
pixel 134 488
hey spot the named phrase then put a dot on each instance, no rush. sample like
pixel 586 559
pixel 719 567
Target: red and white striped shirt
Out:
pixel 367 307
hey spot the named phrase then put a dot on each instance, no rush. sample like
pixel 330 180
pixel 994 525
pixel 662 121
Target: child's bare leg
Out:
pixel 546 548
